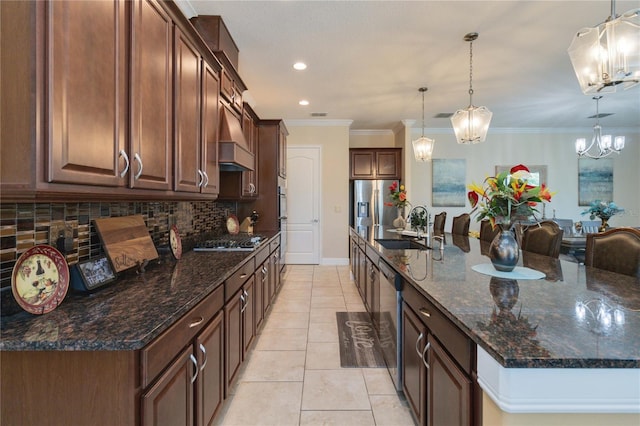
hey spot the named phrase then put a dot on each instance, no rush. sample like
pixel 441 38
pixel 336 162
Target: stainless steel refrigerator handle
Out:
pixel 376 212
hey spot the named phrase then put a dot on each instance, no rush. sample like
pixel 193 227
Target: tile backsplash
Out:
pixel 23 225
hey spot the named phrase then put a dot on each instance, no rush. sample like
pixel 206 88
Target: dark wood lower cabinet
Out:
pixel 170 400
pixel 449 389
pixel 210 381
pixel 438 391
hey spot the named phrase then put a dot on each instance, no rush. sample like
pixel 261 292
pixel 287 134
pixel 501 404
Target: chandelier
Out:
pixel 605 144
pixel 472 123
pixel 423 146
pixel 608 55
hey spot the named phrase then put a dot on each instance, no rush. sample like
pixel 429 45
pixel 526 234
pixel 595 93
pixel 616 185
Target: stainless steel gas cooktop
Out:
pixel 230 243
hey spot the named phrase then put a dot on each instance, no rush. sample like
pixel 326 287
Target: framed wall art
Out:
pixel 595 180
pixel 449 182
pixel 538 173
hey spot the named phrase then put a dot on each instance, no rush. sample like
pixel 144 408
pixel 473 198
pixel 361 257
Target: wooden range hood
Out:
pixel 233 147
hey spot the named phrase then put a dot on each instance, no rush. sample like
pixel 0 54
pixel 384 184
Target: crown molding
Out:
pixel 317 123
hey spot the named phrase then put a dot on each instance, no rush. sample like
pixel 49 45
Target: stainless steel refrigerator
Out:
pixel 368 198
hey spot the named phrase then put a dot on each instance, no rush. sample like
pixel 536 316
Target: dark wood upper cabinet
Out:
pixel 151 96
pixel 250 129
pixel 188 90
pixel 381 163
pixel 210 129
pixel 87 93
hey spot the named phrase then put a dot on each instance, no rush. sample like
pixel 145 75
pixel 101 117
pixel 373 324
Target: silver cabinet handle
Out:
pixel 424 354
pixel 195 370
pixel 425 313
pixel 244 306
pixel 201 181
pixel 196 322
pixel 206 178
pixel 420 337
pixel 126 163
pixel 204 353
pixel 252 188
pixel 139 160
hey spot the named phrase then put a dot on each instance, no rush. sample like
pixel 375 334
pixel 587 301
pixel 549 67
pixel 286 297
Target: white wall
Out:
pixel 555 150
pixel 333 138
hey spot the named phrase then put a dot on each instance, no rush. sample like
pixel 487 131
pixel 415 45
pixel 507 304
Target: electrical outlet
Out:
pixel 57 229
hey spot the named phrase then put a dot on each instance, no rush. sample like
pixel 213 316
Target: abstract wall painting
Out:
pixel 595 180
pixel 449 183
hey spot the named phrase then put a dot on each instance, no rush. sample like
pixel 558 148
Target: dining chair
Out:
pixel 486 232
pixel 461 224
pixel 590 226
pixel 543 238
pixel 616 250
pixel 438 223
pixel 566 225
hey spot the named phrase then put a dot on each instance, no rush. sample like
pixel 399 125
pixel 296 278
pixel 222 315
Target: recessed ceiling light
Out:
pixel 304 102
pixel 300 66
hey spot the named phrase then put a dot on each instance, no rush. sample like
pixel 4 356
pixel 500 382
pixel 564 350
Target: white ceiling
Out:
pixel 367 59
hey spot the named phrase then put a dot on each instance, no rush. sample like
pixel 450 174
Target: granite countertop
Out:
pixel 527 323
pixel 127 314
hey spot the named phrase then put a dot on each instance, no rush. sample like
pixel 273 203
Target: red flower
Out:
pixel 473 198
pixel 518 168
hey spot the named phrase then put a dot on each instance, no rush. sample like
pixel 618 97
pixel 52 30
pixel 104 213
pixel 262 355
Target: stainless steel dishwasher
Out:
pixel 388 322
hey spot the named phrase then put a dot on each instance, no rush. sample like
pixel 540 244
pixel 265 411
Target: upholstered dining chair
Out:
pixel 438 223
pixel 543 238
pixel 461 224
pixel 486 232
pixel 616 250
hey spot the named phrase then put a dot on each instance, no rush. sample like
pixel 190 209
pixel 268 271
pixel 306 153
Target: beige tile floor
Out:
pixel 293 374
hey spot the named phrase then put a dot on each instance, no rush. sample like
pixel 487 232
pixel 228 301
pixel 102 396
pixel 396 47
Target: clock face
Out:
pixel 175 242
pixel 40 279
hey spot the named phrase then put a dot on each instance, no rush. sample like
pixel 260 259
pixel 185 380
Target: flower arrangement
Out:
pixel 603 210
pixel 507 197
pixel 398 195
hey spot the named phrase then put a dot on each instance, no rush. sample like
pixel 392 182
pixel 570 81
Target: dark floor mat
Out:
pixel 359 345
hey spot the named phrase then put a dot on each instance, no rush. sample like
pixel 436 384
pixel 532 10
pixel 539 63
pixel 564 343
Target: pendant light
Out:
pixel 423 146
pixel 604 143
pixel 471 124
pixel 608 55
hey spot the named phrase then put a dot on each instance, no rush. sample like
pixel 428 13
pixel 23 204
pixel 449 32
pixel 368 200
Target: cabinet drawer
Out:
pixel 455 342
pixel 156 355
pixel 273 246
pixel 235 281
pixel 262 255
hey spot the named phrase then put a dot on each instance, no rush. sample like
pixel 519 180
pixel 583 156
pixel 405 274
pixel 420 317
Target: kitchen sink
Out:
pixel 396 244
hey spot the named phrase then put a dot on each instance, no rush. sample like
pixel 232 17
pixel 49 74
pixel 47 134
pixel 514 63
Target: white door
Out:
pixel 303 205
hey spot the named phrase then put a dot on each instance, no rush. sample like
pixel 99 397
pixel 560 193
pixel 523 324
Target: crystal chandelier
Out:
pixel 606 145
pixel 471 124
pixel 423 146
pixel 608 55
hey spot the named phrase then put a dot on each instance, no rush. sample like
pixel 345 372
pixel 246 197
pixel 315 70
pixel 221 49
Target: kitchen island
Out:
pixel 541 344
pixel 166 342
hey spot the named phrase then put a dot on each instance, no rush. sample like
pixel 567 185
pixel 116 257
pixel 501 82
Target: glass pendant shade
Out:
pixel 423 148
pixel 608 56
pixel 471 124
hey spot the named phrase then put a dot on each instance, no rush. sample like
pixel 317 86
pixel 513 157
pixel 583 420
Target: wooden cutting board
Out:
pixel 126 241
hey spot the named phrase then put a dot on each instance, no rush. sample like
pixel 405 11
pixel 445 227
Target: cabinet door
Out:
pixel 414 336
pixel 233 338
pixel 262 290
pixel 388 164
pixel 249 319
pixel 187 91
pixel 210 99
pixel 151 141
pixel 448 389
pixel 249 182
pixel 282 153
pixel 86 86
pixel 362 165
pixel 210 382
pixel 170 400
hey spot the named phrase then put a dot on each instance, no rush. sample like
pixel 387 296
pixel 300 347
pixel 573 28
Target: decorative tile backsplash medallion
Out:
pixel 24 225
